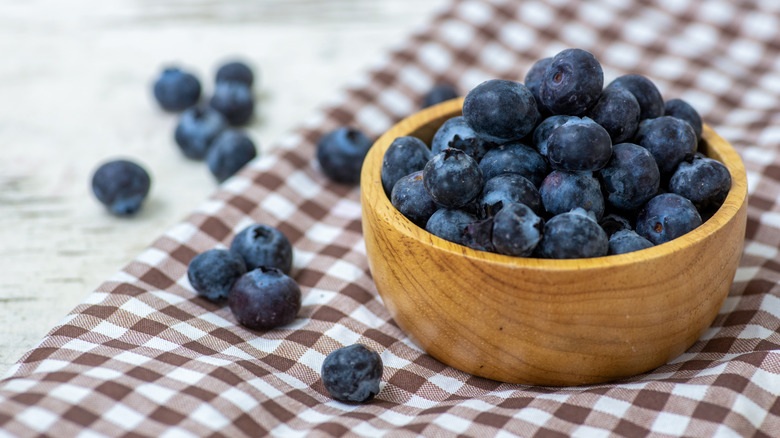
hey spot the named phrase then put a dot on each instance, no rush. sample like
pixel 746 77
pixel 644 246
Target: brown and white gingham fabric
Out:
pixel 143 356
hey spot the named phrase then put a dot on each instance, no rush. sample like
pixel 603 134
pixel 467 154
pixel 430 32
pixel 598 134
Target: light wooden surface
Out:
pixel 75 82
pixel 549 322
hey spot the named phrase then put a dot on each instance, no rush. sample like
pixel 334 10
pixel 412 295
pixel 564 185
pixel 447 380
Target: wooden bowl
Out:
pixel 549 322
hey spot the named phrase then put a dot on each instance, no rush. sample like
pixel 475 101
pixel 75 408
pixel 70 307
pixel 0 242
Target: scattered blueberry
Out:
pixel 500 110
pixel 572 235
pixel 631 177
pixel 669 140
pixel 450 224
pixel 197 129
pixel 683 110
pixel 405 155
pixel 579 145
pixel 263 245
pixel 452 178
pixel 507 188
pixel 572 82
pixel 651 103
pixel 626 241
pixel 121 185
pixel 704 181
pixel 236 71
pixel 352 373
pixel 456 133
pixel 438 94
pixel 176 90
pixel 564 191
pixel 542 132
pixel 514 157
pixel 234 100
pixel 212 273
pixel 264 298
pixel 666 217
pixel 517 230
pixel 411 199
pixel 618 112
pixel 341 153
pixel 229 152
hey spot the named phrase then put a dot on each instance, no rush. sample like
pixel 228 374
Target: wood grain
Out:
pixel 549 322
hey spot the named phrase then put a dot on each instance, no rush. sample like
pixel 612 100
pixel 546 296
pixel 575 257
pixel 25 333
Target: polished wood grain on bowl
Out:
pixel 549 322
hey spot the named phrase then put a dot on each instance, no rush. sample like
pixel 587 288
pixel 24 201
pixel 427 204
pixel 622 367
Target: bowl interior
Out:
pixel 425 124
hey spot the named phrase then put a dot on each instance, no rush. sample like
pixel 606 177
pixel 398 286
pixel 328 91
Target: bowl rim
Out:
pixel 373 194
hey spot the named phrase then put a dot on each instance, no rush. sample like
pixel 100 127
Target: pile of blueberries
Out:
pixel 559 166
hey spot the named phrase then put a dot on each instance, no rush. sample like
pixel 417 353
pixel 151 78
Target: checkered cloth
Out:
pixel 143 356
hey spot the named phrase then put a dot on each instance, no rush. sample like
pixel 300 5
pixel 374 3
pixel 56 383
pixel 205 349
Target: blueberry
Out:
pixel 514 157
pixel 234 100
pixel 517 230
pixel 631 177
pixel 405 155
pixel 572 82
pixel 572 235
pixel 683 110
pixel 456 133
pixel 230 151
pixel 341 153
pixel 617 110
pixel 666 217
pixel 176 90
pixel 263 245
pixel 704 181
pixel 651 103
pixel 236 71
pixel 626 241
pixel 212 273
pixel 352 373
pixel 499 110
pixel 612 223
pixel 507 188
pixel 452 178
pixel 533 80
pixel 411 199
pixel 542 132
pixel 197 129
pixel 264 298
pixel 579 145
pixel 669 140
pixel 450 224
pixel 479 235
pixel 564 191
pixel 121 185
pixel 438 94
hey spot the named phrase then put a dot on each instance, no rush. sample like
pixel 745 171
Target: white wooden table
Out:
pixel 75 90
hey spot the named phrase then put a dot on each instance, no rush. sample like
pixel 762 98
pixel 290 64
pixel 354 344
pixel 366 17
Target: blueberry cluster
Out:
pixel 210 131
pixel 559 166
pixel 253 276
